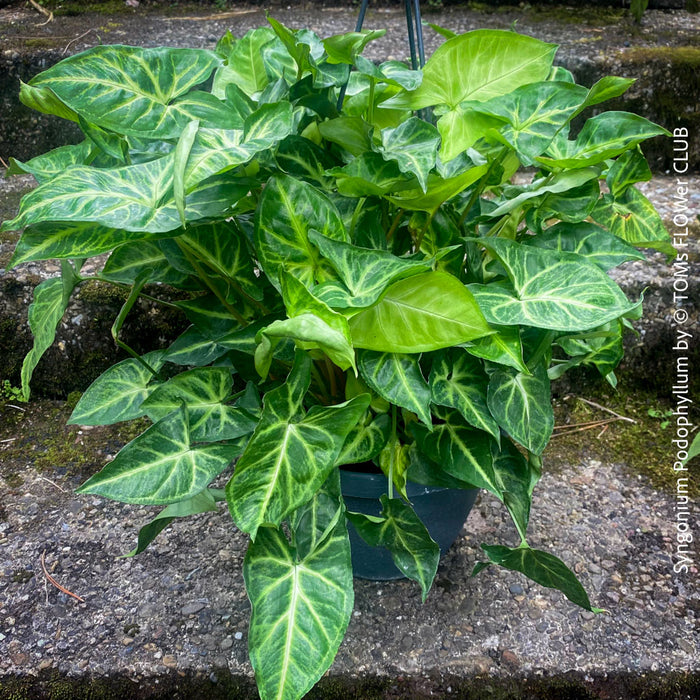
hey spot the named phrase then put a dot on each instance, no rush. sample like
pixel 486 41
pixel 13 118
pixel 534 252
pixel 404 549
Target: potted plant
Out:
pixel 363 286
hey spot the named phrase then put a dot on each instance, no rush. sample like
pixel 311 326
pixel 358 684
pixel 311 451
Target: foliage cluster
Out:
pixel 367 280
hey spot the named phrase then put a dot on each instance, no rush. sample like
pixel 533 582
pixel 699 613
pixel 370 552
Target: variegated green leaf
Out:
pixel 398 379
pixel 559 291
pixel 632 217
pixel 49 241
pixel 129 260
pixel 344 48
pixel 365 272
pixel 45 313
pixel 370 174
pixel 48 165
pixel 543 568
pixel 631 167
pixel 202 502
pixel 365 441
pixel 603 349
pixel 428 311
pixel 603 136
pixel 205 391
pixel 160 466
pixel 459 449
pixel 288 210
pixel 522 406
pixel 194 349
pixel 117 394
pixel 401 531
pixel 133 198
pixel 503 347
pixel 535 113
pixel 414 146
pixel 290 454
pixel 590 241
pixel 458 381
pixel 134 90
pixel 301 607
pixel 45 100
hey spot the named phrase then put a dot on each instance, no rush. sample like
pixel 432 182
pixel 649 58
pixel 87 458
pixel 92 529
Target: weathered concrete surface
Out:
pixel 180 607
pixel 663 53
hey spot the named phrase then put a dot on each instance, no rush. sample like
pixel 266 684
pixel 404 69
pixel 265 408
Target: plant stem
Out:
pixel 330 370
pixel 394 225
pixel 370 107
pixel 419 240
pixel 536 356
pixel 479 189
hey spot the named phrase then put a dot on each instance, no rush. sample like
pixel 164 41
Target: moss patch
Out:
pixel 643 447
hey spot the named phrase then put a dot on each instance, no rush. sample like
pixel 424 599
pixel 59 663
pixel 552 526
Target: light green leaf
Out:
pixel 479 65
pixel 590 241
pixel 541 567
pixel 522 405
pixel 608 87
pixel 428 311
pixel 633 218
pixel 461 128
pixel 135 90
pixel 559 291
pixel 160 466
pixel 129 260
pixel 300 610
pixel 288 210
pixel 365 272
pixel 414 146
pixel 603 136
pixel 365 441
pixel 204 391
pixel 45 313
pixel 351 133
pixel 180 156
pixel 45 100
pixel 400 530
pixel 200 503
pixel 133 198
pixel 462 451
pixel 245 64
pixel 117 394
pixel 459 381
pixel 398 379
pixel 290 454
pixel 631 167
pixel 344 48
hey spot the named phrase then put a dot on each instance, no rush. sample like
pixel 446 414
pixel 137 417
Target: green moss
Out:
pixel 683 58
pixel 22 576
pixel 642 447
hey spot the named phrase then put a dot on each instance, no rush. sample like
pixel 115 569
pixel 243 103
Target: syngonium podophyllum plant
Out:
pixel 366 278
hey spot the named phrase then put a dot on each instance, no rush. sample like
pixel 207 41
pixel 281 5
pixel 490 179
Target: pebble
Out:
pixel 516 589
pixel 170 661
pixel 193 608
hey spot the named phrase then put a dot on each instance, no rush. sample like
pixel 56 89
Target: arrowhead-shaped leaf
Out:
pixel 559 291
pixel 365 272
pixel 365 442
pixel 458 380
pixel 590 241
pixel 48 165
pixel 398 379
pixel 204 391
pixel 400 530
pixel 134 90
pixel 194 349
pixel 522 406
pixel 133 197
pixel 459 449
pixel 632 217
pixel 288 210
pixel 290 454
pixel 541 567
pixel 160 466
pixel 300 610
pixel 424 312
pixel 503 347
pixel 117 394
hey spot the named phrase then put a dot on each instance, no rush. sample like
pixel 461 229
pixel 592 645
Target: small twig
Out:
pixel 600 434
pixel 221 15
pixel 608 410
pixel 19 408
pixel 77 38
pixel 587 424
pixel 43 478
pixel 8 440
pixel 43 10
pixel 55 583
pixel 4 164
pixel 597 424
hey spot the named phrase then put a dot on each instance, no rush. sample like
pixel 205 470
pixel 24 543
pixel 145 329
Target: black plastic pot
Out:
pixel 443 511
